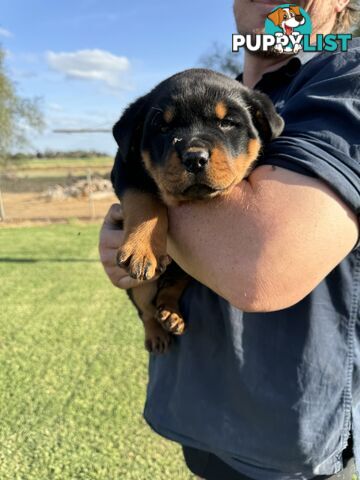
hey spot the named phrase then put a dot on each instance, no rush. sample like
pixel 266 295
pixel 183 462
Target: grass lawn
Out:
pixel 73 370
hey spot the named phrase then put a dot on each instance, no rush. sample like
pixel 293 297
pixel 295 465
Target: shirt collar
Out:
pixel 285 73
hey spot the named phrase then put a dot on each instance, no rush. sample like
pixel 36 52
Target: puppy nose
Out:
pixel 195 161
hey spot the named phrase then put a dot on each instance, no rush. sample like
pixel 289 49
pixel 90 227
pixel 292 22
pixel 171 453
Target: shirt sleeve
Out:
pixel 322 127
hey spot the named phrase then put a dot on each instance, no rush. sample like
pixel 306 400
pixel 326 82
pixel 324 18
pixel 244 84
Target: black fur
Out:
pixel 194 94
pixel 172 142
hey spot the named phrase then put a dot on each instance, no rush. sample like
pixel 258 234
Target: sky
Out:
pixel 88 59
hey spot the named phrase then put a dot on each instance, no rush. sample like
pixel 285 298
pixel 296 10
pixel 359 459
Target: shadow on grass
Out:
pixel 37 260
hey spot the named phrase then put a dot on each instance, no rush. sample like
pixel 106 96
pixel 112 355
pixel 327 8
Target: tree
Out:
pixel 17 115
pixel 221 59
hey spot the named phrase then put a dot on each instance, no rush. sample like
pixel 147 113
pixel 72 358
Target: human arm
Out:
pixel 263 248
pixel 282 231
pixel 269 243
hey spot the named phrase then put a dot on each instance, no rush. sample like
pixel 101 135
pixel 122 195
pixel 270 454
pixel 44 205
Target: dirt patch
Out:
pixel 54 191
pixel 22 207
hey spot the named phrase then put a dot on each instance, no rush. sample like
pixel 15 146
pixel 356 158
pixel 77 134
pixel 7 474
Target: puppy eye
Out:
pixel 227 123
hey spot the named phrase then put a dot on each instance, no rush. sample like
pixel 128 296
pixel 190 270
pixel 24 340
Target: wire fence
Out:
pixel 45 192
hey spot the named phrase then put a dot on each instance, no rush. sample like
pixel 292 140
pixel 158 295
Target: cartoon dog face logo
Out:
pixel 287 19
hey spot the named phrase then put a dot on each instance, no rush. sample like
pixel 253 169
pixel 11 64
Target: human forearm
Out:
pixel 268 244
pixel 217 243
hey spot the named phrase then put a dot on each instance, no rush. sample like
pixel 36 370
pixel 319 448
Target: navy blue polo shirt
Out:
pixel 276 395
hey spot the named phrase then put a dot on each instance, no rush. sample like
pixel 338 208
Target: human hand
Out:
pixel 111 238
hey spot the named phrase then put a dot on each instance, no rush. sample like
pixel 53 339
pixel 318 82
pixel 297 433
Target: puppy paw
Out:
pixel 278 48
pixel 141 264
pixel 157 340
pixel 170 320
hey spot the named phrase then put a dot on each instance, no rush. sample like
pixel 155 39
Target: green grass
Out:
pixel 73 370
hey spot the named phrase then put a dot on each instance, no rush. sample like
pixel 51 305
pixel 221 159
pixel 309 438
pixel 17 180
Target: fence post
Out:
pixel 2 209
pixel 91 198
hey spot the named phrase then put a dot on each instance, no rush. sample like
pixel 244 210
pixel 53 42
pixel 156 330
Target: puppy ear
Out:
pixel 275 17
pixel 128 130
pixel 266 120
pixel 295 9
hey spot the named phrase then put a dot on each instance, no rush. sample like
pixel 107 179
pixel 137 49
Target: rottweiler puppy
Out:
pixel 192 138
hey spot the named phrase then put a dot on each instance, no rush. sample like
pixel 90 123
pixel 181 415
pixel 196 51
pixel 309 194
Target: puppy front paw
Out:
pixel 141 263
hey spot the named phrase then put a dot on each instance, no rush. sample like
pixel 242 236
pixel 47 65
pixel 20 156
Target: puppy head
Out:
pixel 197 133
pixel 291 16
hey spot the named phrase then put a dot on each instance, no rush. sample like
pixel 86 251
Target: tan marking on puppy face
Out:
pixel 219 170
pixel 168 115
pixel 244 162
pixel 170 178
pixel 225 171
pixel 222 172
pixel 220 110
pixel 254 147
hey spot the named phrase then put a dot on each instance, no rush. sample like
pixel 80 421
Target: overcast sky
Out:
pixel 87 59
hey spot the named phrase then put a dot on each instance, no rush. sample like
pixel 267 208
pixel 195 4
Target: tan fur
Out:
pixel 145 236
pixel 169 178
pixel 244 162
pixel 143 252
pixel 156 338
pixel 295 9
pixel 221 172
pixel 254 147
pixel 220 110
pixel 167 303
pixel 169 115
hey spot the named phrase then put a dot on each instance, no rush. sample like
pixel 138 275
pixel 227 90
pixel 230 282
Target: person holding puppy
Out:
pixel 265 384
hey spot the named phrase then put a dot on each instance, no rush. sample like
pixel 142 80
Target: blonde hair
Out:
pixel 348 19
